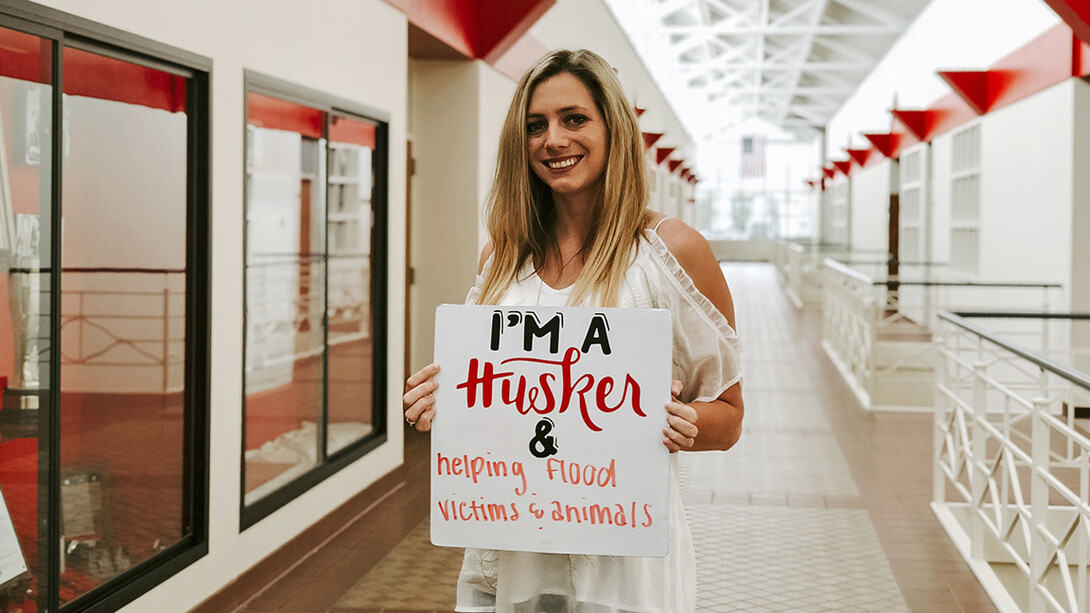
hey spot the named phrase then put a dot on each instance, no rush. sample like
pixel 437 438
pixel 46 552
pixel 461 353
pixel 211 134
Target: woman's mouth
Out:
pixel 561 164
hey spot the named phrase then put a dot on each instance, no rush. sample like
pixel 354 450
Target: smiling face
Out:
pixel 566 136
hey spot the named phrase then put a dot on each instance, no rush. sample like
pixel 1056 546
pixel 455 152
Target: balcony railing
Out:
pixel 879 330
pixel 1011 458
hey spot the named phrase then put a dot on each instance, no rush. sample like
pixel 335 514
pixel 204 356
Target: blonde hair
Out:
pixel 520 211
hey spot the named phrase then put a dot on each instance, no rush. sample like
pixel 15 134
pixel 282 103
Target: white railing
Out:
pixel 123 330
pixel 879 332
pixel 1011 462
pixel 803 275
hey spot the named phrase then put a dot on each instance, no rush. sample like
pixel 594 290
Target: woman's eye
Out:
pixel 577 120
pixel 535 127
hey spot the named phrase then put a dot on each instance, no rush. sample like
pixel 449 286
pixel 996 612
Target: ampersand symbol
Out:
pixel 543 445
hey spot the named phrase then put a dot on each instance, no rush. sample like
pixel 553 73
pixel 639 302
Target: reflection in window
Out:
pixel 25 195
pixel 309 336
pixel 285 297
pixel 352 143
pixel 123 285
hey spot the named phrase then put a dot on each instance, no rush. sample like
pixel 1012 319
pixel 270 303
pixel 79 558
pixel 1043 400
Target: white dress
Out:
pixel 705 359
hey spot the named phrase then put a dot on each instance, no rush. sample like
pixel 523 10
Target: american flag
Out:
pixel 753 156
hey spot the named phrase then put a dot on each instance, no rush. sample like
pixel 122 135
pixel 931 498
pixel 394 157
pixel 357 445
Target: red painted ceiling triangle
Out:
pixel 673 164
pixel 650 138
pixel 973 87
pixel 844 166
pixel 639 111
pixel 884 142
pixel 859 155
pixel 661 153
pixel 829 170
pixel 917 121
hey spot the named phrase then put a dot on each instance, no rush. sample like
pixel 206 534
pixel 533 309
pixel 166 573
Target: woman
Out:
pixel 569 225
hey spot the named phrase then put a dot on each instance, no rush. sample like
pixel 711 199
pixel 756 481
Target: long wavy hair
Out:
pixel 521 215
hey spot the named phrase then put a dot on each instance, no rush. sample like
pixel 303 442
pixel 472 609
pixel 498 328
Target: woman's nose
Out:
pixel 556 137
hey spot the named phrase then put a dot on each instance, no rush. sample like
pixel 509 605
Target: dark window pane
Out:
pixel 25 195
pixel 285 292
pixel 351 181
pixel 123 317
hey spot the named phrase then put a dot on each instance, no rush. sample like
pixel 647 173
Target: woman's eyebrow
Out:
pixel 566 109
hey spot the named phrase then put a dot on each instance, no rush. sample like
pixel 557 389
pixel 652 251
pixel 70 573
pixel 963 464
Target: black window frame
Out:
pixel 328 464
pixel 65 30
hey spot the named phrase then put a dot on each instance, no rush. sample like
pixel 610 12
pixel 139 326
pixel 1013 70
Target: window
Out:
pixel 913 202
pixel 315 290
pixel 839 213
pixel 103 345
pixel 965 202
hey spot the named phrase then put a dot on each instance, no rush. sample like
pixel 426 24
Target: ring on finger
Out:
pixel 412 424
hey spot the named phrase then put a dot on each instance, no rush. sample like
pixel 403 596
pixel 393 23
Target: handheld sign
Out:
pixel 548 430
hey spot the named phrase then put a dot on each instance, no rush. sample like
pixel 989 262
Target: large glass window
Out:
pixel 103 343
pixel 314 273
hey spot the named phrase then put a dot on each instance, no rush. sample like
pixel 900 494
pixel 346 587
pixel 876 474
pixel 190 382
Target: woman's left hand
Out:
pixel 680 431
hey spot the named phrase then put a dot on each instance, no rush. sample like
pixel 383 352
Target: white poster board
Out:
pixel 548 430
pixel 12 562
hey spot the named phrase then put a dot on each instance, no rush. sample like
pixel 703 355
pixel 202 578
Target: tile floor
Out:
pixel 820 507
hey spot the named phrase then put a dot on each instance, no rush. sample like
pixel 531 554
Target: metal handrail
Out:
pixel 843 268
pixel 1073 376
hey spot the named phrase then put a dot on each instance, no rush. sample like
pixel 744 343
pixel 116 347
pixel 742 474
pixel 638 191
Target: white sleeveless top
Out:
pixel 705 358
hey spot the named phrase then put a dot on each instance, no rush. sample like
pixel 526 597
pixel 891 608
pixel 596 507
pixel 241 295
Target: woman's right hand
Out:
pixel 419 398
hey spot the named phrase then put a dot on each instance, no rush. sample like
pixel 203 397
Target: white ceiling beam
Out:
pixel 669 7
pixel 815 30
pixel 795 13
pixel 808 66
pixel 868 9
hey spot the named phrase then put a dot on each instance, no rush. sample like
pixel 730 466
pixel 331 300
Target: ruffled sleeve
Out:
pixel 474 294
pixel 706 347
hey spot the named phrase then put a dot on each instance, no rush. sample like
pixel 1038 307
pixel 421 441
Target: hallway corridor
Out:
pixel 820 507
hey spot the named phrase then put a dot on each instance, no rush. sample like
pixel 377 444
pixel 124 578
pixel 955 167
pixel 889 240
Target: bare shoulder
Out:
pixel 695 255
pixel 485 254
pixel 688 246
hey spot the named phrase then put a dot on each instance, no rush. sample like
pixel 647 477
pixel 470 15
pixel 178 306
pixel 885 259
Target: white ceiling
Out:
pixel 788 64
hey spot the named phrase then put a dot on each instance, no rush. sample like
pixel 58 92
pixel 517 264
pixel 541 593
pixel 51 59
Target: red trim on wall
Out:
pixel 949 112
pixel 685 172
pixel 1043 62
pixel 522 54
pixel 844 166
pixel 650 138
pixel 661 153
pixel 673 164
pixel 1076 13
pixel 829 171
pixel 639 111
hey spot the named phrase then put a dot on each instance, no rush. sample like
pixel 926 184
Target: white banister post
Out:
pixel 978 480
pixel 1039 548
pixel 941 418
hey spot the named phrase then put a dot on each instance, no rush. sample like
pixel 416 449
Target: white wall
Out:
pixel 948 34
pixel 457 109
pixel 494 96
pixel 1026 188
pixel 1080 226
pixel 355 50
pixel 870 207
